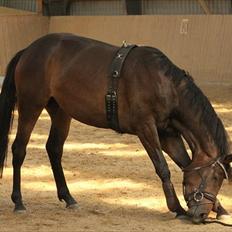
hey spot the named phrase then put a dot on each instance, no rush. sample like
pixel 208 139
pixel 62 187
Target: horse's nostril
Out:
pixel 197 219
pixel 203 216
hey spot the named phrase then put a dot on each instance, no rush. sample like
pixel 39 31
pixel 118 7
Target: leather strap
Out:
pixel 111 98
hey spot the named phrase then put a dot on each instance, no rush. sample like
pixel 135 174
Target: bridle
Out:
pixel 199 194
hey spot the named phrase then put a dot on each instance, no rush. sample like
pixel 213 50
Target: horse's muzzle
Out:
pixel 198 214
pixel 198 220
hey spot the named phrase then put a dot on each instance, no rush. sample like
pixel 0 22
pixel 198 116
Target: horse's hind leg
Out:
pixel 58 134
pixel 27 117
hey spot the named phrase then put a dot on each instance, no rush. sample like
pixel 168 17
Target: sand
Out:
pixel 111 177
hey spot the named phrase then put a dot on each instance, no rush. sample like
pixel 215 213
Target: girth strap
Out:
pixel 111 98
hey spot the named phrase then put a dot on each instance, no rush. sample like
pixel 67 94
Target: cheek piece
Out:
pixel 199 193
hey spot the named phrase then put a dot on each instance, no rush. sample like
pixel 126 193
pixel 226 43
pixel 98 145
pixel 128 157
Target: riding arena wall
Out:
pixel 200 44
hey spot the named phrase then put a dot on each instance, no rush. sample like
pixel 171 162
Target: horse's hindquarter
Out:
pixel 73 70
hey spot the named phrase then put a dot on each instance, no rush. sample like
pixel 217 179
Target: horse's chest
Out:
pixel 162 123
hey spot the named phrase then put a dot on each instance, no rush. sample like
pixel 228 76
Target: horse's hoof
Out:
pixel 20 209
pixel 224 217
pixel 225 220
pixel 73 206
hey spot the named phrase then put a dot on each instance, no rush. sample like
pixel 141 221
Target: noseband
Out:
pixel 199 194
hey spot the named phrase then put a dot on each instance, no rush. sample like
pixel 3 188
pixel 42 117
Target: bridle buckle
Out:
pixel 198 196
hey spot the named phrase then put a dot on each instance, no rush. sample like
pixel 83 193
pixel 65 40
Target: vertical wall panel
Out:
pixel 171 7
pixel 118 7
pixel 29 5
pixel 185 7
pixel 220 6
pixel 98 7
pixel 149 7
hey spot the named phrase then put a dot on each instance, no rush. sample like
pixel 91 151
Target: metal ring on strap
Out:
pixel 198 196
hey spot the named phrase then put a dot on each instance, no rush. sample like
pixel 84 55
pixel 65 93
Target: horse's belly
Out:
pixel 84 108
pixel 91 118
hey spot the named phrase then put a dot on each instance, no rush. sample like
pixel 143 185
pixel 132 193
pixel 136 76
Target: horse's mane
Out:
pixel 197 101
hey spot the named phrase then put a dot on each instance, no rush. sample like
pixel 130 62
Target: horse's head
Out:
pixel 201 186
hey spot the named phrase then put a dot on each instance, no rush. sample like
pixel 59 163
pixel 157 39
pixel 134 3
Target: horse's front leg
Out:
pixel 148 135
pixel 173 145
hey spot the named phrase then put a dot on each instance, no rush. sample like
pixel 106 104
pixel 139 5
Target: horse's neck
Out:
pixel 197 115
pixel 199 141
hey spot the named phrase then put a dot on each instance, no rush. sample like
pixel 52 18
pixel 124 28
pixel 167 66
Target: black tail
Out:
pixel 7 104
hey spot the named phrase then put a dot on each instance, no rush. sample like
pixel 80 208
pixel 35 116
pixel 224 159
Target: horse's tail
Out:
pixel 7 104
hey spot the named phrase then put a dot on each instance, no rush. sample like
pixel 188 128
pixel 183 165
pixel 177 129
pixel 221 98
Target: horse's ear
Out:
pixel 228 159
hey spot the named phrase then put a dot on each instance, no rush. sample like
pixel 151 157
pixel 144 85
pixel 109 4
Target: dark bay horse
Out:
pixel 158 102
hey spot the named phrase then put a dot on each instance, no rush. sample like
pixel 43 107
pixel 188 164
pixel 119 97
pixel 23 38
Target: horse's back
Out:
pixel 74 71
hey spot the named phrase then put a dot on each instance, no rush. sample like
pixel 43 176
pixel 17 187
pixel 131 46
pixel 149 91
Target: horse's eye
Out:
pixel 216 178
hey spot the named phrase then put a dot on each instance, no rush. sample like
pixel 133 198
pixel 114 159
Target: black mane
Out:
pixel 196 99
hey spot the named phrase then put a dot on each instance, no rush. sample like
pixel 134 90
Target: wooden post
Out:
pixel 39 7
pixel 204 6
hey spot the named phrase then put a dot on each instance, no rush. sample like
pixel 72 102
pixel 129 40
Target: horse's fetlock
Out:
pixel 62 194
pixel 16 197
